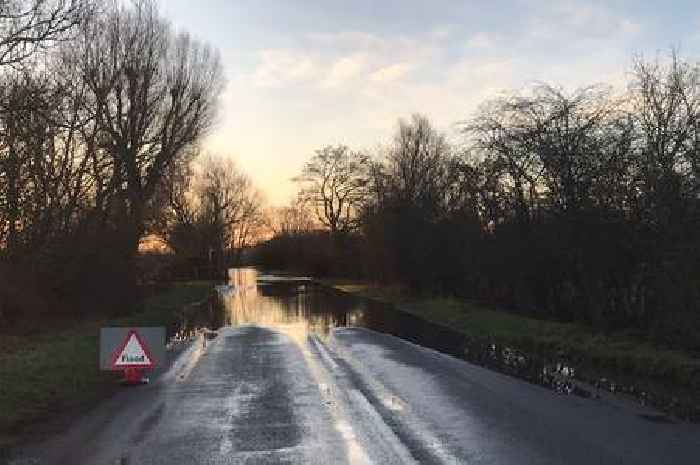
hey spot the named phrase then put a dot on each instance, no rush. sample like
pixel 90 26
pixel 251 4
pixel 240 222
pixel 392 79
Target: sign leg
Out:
pixel 133 375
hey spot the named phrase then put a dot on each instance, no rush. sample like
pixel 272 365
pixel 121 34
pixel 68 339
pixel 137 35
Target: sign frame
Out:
pixel 152 339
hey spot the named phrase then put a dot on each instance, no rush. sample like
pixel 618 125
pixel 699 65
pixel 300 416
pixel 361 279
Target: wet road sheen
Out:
pixel 303 375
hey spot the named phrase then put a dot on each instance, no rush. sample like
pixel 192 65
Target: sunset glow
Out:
pixel 317 73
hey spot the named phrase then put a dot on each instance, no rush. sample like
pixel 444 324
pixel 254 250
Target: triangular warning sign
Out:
pixel 132 353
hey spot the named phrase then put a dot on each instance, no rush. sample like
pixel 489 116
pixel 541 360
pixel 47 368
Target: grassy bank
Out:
pixel 625 354
pixel 45 375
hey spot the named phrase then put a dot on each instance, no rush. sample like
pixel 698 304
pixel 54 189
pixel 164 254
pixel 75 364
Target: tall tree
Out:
pixel 335 182
pixel 420 165
pixel 154 95
pixel 214 209
pixel 665 98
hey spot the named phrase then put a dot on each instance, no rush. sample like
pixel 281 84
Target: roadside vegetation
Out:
pixel 47 374
pixel 628 353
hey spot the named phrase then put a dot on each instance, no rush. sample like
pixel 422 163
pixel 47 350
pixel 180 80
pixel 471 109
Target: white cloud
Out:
pixel 345 69
pixel 341 60
pixel 278 67
pixel 390 73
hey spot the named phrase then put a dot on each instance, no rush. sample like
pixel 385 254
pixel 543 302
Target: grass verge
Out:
pixel 53 373
pixel 623 354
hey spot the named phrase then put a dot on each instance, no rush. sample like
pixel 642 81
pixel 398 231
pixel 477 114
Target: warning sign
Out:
pixel 132 353
pixel 139 347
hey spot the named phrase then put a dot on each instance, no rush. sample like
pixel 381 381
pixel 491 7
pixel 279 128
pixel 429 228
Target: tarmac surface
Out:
pixel 265 395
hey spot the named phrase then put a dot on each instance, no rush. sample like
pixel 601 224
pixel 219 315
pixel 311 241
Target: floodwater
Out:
pixel 299 307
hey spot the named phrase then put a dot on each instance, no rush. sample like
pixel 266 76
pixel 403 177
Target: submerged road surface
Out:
pixel 273 388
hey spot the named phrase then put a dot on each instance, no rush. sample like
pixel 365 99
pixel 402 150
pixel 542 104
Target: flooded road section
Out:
pixel 301 375
pixel 299 307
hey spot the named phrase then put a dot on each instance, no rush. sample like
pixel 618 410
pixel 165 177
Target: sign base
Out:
pixel 134 376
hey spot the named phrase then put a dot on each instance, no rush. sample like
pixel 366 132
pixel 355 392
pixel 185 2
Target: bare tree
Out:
pixel 228 199
pixel 334 182
pixel 154 94
pixel 498 132
pixel 27 26
pixel 665 98
pixel 554 146
pixel 173 203
pixel 45 178
pixel 420 165
pixel 250 225
pixel 214 209
pixel 292 220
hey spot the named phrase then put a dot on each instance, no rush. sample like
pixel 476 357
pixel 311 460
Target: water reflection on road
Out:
pixel 291 305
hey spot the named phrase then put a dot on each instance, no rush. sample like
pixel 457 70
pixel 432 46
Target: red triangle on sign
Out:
pixel 132 353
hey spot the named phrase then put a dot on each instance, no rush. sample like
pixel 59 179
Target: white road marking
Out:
pixel 324 353
pixel 384 431
pixel 356 452
pixel 395 403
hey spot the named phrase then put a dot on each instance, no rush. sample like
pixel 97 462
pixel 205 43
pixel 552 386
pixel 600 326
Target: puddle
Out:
pixel 298 307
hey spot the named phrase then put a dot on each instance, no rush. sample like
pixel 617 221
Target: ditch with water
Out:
pixel 299 306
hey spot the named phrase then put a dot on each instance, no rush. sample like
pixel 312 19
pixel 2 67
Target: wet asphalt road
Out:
pixel 257 395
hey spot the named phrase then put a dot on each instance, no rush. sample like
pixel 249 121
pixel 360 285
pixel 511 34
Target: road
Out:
pixel 258 395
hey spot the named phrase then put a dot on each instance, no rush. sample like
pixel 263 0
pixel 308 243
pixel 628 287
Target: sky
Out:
pixel 302 74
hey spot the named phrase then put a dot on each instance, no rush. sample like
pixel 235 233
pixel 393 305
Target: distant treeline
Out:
pixel 576 206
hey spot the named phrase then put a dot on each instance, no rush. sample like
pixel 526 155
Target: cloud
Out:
pixel 369 78
pixel 344 60
pixel 391 73
pixel 279 67
pixel 345 69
